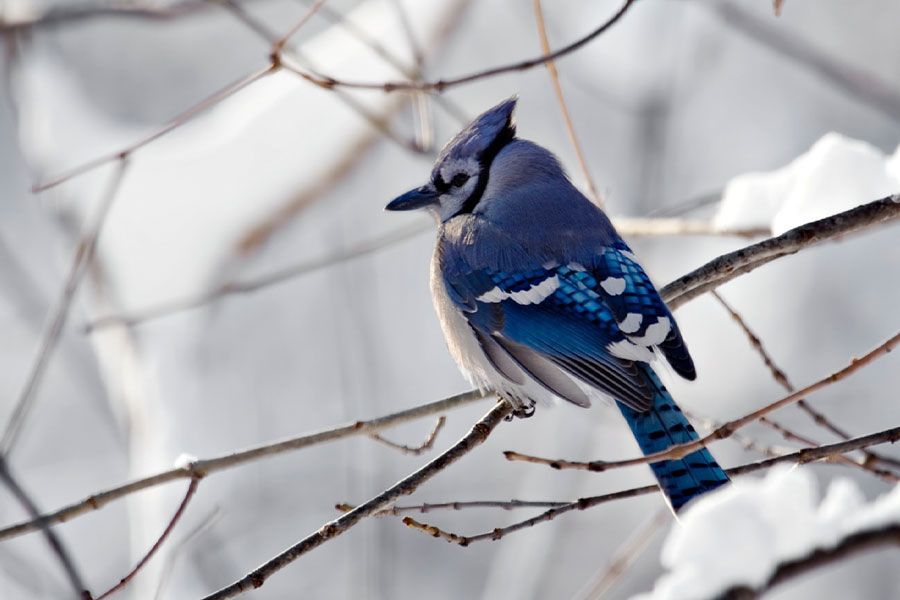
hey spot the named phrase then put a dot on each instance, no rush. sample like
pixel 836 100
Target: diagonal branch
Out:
pixel 803 456
pixel 563 107
pixel 84 255
pixel 737 263
pixel 442 84
pixel 56 544
pixel 681 450
pixel 208 466
pixel 819 418
pixel 861 541
pixel 188 495
pixel 422 448
pixel 478 434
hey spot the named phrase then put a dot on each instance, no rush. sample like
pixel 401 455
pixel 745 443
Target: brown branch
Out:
pixel 173 124
pixel 819 418
pixel 477 435
pixel 861 541
pixel 849 78
pixel 563 107
pixel 803 456
pixel 208 466
pixel 681 450
pixel 84 255
pixel 396 511
pixel 278 44
pixel 737 263
pixel 189 494
pixel 422 448
pixel 443 84
pixel 55 543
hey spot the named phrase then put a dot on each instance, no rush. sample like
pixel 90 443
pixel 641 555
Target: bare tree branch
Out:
pixel 422 448
pixel 803 456
pixel 175 123
pixel 782 379
pixel 478 434
pixel 56 544
pixel 681 450
pixel 442 84
pixel 563 107
pixel 204 467
pixel 737 263
pixel 191 490
pixel 861 541
pixel 84 254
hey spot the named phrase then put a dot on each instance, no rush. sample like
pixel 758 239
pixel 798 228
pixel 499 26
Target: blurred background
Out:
pixel 670 105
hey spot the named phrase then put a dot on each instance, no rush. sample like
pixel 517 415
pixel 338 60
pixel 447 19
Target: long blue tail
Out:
pixel 662 426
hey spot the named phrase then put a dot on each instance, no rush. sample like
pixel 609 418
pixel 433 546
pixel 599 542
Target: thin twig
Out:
pixel 860 541
pixel 396 511
pixel 264 281
pixel 849 78
pixel 191 490
pixel 477 435
pixel 781 378
pixel 563 107
pixel 278 52
pixel 422 448
pixel 278 44
pixel 442 84
pixel 681 450
pixel 803 456
pixel 84 255
pixel 56 544
pixel 742 261
pixel 208 466
pixel 173 124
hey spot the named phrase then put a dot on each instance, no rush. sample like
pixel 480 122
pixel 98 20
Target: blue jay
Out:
pixel 539 298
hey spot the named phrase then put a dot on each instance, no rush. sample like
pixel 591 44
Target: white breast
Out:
pixel 467 352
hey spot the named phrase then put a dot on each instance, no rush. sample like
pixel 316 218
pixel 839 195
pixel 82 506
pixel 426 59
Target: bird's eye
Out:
pixel 459 179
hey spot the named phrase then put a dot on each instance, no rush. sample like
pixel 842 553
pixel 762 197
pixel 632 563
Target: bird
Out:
pixel 540 299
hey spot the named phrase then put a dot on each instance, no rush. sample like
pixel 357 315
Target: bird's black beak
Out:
pixel 413 199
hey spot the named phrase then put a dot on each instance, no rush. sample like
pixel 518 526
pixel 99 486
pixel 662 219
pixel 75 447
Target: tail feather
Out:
pixel 663 426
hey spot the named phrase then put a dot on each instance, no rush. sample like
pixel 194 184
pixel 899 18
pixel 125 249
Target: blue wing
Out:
pixel 596 319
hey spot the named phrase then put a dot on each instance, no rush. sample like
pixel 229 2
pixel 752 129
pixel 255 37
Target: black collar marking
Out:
pixel 487 157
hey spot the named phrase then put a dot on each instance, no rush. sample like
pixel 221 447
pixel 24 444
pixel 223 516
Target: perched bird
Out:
pixel 539 297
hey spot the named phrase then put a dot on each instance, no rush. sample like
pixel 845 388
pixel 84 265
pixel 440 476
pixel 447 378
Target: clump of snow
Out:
pixel 184 460
pixel 739 534
pixel 836 174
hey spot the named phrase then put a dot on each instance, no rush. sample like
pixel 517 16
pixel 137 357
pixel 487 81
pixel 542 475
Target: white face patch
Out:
pixel 533 295
pixel 631 323
pixel 613 285
pixel 628 351
pixel 655 334
pixel 453 166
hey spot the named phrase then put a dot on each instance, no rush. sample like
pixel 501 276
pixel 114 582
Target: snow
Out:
pixel 836 174
pixel 762 522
